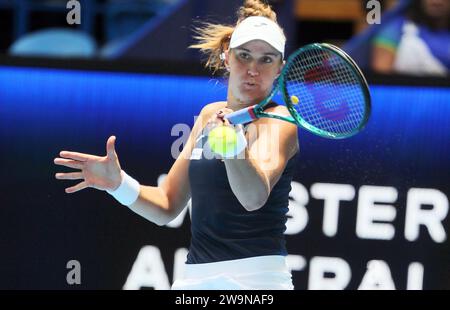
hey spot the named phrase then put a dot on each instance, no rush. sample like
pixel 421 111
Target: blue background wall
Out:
pixel 43 111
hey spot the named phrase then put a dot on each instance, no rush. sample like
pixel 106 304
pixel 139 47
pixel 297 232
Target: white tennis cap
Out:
pixel 258 28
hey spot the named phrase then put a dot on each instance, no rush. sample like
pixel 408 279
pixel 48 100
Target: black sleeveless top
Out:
pixel 222 229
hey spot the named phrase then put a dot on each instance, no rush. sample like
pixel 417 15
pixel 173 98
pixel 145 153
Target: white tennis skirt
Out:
pixel 254 273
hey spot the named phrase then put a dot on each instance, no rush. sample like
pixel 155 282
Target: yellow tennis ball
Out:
pixel 222 140
pixel 294 99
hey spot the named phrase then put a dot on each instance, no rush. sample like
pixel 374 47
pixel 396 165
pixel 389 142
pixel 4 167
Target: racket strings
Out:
pixel 329 91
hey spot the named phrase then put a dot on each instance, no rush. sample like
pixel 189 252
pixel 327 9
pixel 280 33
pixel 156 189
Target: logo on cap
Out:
pixel 260 24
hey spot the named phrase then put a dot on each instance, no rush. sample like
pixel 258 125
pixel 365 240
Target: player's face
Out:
pixel 436 8
pixel 253 68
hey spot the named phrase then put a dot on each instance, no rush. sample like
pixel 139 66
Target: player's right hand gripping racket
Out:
pixel 324 91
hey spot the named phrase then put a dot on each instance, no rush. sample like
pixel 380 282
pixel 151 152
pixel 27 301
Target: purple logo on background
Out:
pixel 325 73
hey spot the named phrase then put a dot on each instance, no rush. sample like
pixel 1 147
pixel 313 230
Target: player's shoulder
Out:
pixel 213 107
pixel 278 109
pixel 208 110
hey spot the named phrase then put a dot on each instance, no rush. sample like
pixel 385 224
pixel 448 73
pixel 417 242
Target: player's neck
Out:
pixel 236 104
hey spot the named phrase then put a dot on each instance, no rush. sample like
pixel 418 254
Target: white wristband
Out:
pixel 128 190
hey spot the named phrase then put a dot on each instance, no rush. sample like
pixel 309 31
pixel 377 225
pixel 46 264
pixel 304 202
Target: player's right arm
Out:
pixel 158 204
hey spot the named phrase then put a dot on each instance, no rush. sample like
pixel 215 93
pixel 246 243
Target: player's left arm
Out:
pixel 272 143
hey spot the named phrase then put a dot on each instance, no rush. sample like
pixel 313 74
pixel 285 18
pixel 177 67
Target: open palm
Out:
pixel 99 172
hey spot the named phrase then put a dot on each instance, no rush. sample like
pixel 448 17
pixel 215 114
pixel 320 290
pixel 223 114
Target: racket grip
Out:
pixel 242 116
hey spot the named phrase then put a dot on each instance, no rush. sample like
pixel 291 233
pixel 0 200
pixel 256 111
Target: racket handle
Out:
pixel 242 116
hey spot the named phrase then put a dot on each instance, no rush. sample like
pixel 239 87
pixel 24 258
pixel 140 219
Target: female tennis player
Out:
pixel 239 206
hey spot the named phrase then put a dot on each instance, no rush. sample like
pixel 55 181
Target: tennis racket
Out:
pixel 324 90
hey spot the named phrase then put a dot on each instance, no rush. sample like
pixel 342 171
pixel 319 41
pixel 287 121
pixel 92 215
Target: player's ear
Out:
pixel 281 68
pixel 226 59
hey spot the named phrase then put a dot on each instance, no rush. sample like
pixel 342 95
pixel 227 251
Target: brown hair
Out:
pixel 214 39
